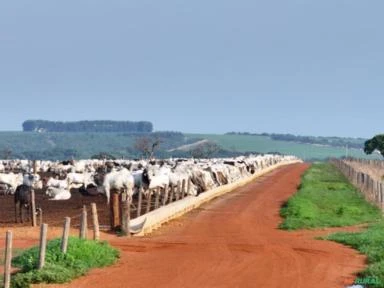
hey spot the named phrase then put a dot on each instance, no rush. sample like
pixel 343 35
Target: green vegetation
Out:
pixel 369 242
pixel 88 126
pixel 82 255
pixel 320 140
pixel 375 143
pixel 265 144
pixel 326 199
pixel 84 145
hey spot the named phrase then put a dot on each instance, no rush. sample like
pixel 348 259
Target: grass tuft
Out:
pixel 82 255
pixel 369 242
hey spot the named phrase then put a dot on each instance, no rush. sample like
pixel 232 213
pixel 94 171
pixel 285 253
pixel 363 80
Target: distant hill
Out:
pixel 87 126
pixel 85 145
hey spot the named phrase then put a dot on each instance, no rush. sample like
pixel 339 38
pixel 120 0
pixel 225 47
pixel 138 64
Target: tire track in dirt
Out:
pixel 231 242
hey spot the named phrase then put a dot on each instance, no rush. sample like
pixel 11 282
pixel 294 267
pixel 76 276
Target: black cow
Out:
pixel 22 201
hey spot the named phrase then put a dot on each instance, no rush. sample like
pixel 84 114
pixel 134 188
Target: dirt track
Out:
pixel 231 242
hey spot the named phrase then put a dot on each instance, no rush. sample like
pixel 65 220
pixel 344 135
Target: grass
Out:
pixel 82 256
pixel 15 253
pixel 264 144
pixel 60 145
pixel 326 199
pixel 369 242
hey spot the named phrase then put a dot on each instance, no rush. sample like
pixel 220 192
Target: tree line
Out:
pixel 88 126
pixel 357 143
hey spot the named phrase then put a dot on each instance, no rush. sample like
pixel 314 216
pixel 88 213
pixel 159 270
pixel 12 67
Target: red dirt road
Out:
pixel 231 242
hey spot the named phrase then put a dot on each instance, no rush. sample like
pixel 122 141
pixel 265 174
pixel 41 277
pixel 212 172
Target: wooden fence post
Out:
pixel 149 201
pixel 183 189
pixel 33 208
pixel 40 211
pixel 166 192
pixel 43 245
pixel 140 201
pixel 115 210
pixel 126 217
pixel 64 239
pixel 83 223
pixel 8 259
pixel 171 197
pixel 157 199
pixel 178 191
pixel 189 184
pixel 95 222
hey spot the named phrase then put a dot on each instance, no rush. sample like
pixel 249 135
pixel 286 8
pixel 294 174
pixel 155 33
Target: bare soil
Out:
pixel 232 241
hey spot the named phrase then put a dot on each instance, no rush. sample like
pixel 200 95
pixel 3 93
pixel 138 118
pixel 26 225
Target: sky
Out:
pixel 203 66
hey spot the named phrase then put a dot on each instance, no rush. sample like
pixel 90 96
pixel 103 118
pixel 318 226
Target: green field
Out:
pixel 264 144
pixel 81 145
pixel 326 199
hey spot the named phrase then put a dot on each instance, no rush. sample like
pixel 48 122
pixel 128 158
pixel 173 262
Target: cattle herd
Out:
pixel 61 181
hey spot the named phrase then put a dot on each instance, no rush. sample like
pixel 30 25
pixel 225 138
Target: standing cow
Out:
pixel 22 201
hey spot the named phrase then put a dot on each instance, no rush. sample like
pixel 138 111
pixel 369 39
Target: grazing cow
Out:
pixel 22 201
pixel 80 179
pixel 154 176
pixel 119 180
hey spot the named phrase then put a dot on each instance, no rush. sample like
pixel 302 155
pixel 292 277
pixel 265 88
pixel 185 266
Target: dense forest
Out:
pixel 87 126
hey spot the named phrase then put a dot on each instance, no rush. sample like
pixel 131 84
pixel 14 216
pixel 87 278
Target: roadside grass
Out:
pixel 325 198
pixel 82 255
pixel 15 253
pixel 368 242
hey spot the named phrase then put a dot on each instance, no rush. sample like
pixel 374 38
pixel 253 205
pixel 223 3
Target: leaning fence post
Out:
pixel 33 208
pixel 8 259
pixel 64 239
pixel 83 223
pixel 43 245
pixel 95 222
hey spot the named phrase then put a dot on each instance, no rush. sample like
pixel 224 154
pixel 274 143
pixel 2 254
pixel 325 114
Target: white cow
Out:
pixel 58 193
pixel 119 180
pixel 12 180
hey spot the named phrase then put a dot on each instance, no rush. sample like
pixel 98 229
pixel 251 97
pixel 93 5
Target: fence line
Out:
pixel 371 188
pixel 43 241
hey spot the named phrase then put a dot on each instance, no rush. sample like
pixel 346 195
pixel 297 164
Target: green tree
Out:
pixel 375 143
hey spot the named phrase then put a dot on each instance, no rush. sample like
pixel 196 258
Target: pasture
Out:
pixel 264 144
pixel 67 145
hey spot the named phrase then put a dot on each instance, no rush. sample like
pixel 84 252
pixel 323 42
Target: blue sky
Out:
pixel 302 67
